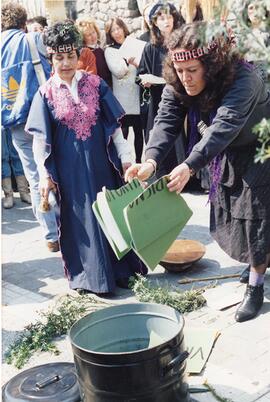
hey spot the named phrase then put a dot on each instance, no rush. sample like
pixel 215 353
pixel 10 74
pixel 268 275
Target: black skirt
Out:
pixel 240 212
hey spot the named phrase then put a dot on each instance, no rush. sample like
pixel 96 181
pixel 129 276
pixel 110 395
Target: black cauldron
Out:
pixel 131 352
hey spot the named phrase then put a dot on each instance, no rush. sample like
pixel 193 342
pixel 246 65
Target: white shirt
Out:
pixel 73 88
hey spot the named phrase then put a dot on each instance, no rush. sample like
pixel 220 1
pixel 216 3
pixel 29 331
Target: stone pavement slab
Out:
pixel 238 367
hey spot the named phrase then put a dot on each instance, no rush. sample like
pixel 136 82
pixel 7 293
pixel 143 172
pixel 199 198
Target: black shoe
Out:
pixel 245 275
pixel 251 304
pixel 122 283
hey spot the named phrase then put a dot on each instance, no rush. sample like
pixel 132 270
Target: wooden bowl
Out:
pixel 182 254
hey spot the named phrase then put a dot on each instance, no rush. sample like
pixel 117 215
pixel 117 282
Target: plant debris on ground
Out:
pixel 53 323
pixel 184 302
pixel 57 321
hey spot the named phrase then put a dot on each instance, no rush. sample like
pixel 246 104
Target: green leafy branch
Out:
pixel 250 44
pixel 54 323
pixel 59 318
pixel 262 130
pixel 184 302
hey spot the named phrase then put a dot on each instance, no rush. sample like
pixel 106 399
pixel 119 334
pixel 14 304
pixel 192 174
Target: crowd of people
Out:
pixel 70 139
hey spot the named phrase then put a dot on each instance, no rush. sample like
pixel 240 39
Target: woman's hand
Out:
pixel 145 84
pixel 132 61
pixel 179 177
pixel 125 166
pixel 45 186
pixel 140 170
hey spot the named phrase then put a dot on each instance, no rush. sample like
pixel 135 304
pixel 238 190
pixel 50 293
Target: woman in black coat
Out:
pixel 163 19
pixel 211 85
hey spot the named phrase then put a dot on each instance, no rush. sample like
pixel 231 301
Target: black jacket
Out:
pixel 244 105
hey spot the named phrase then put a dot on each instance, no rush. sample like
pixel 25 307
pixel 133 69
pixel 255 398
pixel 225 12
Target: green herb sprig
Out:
pixel 54 323
pixel 262 130
pixel 184 302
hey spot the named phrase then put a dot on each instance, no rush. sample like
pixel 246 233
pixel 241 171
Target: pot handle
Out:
pixel 47 381
pixel 175 363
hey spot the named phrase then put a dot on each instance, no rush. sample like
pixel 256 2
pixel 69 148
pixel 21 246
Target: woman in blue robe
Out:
pixel 78 144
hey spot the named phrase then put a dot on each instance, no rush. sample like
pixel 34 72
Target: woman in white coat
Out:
pixel 124 73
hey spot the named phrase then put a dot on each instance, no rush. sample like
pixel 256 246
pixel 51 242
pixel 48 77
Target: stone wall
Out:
pixel 102 10
pixel 129 10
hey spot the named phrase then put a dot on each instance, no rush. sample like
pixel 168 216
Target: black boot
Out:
pixel 251 304
pixel 245 275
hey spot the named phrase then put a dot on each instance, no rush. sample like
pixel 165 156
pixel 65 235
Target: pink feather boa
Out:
pixel 81 116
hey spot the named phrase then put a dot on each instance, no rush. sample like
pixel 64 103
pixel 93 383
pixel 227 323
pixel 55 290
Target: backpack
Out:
pixel 20 81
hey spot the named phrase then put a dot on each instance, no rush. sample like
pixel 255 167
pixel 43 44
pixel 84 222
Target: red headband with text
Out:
pixel 61 48
pixel 184 55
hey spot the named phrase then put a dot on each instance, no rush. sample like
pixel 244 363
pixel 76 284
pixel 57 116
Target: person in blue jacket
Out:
pixel 212 86
pixel 16 52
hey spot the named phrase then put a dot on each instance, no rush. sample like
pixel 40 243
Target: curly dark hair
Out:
pixel 14 16
pixel 156 36
pixel 62 33
pixel 108 28
pixel 219 64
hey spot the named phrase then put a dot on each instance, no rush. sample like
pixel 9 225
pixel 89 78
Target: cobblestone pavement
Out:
pixel 239 365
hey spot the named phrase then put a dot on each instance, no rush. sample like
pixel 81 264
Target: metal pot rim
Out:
pixel 178 319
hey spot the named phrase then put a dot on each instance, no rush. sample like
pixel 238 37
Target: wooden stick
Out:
pixel 209 278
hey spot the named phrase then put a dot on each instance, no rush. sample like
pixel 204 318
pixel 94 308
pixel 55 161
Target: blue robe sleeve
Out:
pixel 40 125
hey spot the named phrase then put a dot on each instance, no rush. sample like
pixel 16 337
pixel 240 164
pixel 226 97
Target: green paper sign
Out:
pixel 145 220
